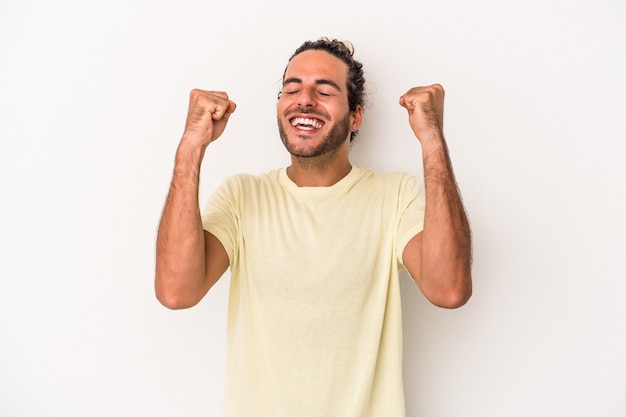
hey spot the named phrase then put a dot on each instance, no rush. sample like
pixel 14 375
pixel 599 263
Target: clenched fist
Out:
pixel 425 107
pixel 207 116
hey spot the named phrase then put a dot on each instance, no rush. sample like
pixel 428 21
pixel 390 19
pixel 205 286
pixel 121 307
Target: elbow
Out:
pixel 173 302
pixel 172 296
pixel 453 299
pixel 453 294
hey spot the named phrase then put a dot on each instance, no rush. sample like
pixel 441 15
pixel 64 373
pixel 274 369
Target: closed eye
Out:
pixel 324 88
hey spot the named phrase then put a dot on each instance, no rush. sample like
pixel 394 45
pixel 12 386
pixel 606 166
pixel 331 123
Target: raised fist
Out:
pixel 207 116
pixel 425 107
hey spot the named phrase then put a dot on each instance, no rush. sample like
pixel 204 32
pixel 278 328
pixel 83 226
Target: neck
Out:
pixel 318 171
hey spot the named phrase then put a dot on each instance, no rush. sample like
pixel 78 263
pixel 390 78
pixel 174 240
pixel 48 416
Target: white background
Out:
pixel 93 99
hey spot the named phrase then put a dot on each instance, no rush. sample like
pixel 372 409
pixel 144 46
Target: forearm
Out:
pixel 446 238
pixel 180 279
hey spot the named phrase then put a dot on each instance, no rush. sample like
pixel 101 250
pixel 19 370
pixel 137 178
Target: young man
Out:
pixel 314 249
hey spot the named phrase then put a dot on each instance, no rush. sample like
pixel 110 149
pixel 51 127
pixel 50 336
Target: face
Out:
pixel 312 111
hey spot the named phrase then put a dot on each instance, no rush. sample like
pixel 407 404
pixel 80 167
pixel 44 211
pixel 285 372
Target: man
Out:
pixel 314 326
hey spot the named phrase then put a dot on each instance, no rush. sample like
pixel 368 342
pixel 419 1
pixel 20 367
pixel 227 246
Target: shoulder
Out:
pixel 245 183
pixel 393 179
pixel 245 179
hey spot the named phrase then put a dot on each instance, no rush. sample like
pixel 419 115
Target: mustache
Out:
pixel 305 110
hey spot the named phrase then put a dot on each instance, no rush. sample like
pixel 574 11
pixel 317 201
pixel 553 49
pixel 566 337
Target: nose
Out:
pixel 306 98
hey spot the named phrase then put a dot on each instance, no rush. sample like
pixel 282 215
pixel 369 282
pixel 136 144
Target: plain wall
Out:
pixel 93 100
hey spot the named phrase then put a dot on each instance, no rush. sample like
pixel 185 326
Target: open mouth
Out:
pixel 306 123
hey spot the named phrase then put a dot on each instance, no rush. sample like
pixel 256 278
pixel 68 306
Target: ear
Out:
pixel 356 119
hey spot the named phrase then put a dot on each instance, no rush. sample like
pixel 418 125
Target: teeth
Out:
pixel 307 123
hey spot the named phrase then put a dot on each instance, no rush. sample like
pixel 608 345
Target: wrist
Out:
pixel 189 155
pixel 432 141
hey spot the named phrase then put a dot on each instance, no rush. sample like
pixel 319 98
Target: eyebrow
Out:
pixel 321 81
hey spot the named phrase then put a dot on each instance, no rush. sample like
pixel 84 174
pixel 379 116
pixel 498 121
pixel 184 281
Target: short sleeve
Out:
pixel 221 215
pixel 411 209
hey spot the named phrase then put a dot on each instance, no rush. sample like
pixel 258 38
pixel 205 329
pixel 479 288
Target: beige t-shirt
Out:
pixel 314 320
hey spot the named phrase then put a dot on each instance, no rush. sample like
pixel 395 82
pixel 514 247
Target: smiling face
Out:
pixel 312 111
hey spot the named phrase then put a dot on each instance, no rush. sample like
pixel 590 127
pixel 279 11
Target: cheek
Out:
pixel 282 105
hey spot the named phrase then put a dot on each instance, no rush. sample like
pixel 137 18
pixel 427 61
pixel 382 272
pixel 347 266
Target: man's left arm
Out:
pixel 438 258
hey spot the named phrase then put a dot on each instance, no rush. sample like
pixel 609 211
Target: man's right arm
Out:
pixel 190 260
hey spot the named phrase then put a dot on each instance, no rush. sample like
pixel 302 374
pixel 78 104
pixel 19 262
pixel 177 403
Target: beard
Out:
pixel 334 139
